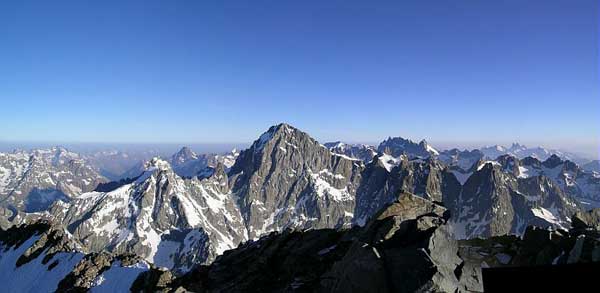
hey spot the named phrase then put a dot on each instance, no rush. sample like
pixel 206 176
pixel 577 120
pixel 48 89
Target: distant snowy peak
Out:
pixel 517 147
pixel 30 181
pixel 157 163
pixel 187 163
pixel 227 159
pixel 389 162
pixel 183 155
pixel 429 148
pixel 460 160
pixel 520 151
pixel 361 152
pixel 570 178
pixel 498 200
pixel 492 152
pixel 397 146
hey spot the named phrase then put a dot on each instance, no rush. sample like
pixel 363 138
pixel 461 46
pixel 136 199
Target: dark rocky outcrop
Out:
pixel 82 276
pixel 406 248
pixel 587 220
pixel 535 252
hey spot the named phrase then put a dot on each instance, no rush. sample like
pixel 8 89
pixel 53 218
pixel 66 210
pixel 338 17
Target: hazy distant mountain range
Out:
pixel 185 210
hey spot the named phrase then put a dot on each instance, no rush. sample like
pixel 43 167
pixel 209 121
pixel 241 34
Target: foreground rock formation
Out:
pixel 407 247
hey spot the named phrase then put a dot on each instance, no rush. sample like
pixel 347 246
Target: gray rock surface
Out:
pixel 397 146
pixel 495 202
pixel 406 248
pixel 381 182
pixel 286 179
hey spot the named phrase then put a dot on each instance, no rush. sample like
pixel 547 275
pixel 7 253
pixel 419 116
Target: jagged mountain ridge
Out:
pixel 187 163
pixel 397 146
pixel 177 222
pixel 495 202
pixel 30 181
pixel 362 152
pixel 169 221
pixel 520 151
pixel 286 179
pixel 385 176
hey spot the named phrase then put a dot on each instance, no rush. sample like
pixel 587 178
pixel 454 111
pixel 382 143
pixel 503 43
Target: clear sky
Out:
pixel 200 71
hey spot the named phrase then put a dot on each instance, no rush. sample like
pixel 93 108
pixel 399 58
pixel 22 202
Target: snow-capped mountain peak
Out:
pixel 429 148
pixel 183 155
pixel 157 163
pixel 361 152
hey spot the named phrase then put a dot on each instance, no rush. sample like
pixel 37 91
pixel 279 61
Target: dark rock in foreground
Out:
pixel 406 248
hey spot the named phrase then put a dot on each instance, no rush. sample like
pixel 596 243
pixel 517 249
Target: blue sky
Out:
pixel 463 72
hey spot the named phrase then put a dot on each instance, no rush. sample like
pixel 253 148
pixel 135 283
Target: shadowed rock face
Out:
pixel 587 220
pixel 406 248
pixel 398 146
pixel 494 201
pixel 286 179
pixel 381 183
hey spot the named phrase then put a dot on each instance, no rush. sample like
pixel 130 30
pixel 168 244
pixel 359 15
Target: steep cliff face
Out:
pixel 385 176
pixel 287 179
pixel 494 201
pixel 582 185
